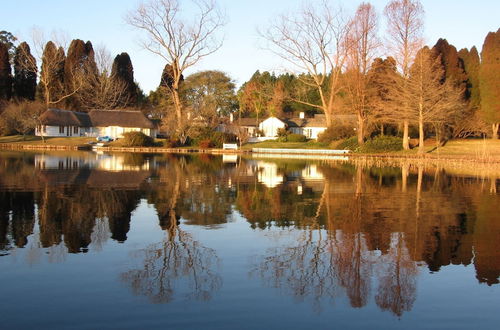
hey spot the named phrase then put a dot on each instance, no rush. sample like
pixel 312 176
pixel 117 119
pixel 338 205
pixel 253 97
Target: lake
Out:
pixel 96 240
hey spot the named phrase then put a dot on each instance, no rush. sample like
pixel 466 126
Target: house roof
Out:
pixel 247 122
pixel 123 118
pixel 96 118
pixel 59 117
pixel 319 120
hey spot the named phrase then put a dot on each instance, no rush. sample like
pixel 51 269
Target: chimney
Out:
pixel 301 115
pixel 231 117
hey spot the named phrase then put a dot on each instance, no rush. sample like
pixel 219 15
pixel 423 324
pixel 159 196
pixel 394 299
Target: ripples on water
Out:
pixel 132 240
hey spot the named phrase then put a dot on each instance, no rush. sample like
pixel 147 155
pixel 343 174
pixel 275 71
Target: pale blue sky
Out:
pixel 463 23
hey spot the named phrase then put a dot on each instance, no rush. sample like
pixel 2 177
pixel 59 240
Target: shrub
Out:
pixel 382 143
pixel 296 138
pixel 205 144
pixel 172 143
pixel 137 139
pixel 335 133
pixel 349 144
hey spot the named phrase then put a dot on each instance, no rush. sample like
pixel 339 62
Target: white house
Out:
pixel 112 123
pixel 314 126
pixel 270 126
pixel 57 122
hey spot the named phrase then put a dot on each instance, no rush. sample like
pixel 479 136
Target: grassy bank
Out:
pixel 485 150
pixel 54 141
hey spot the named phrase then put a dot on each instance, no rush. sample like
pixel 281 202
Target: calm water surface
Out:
pixel 161 241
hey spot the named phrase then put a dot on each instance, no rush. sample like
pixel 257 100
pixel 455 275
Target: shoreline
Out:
pixel 310 153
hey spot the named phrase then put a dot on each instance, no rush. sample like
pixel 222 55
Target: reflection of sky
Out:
pixel 448 297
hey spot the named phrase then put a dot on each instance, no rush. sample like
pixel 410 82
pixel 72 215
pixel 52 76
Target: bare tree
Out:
pixel 181 42
pixel 363 46
pixel 51 55
pixel 314 41
pixel 427 100
pixel 405 29
pixel 103 91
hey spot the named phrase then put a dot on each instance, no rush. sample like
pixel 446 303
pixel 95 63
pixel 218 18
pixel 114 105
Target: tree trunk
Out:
pixel 494 127
pixel 420 134
pixel 406 140
pixel 361 129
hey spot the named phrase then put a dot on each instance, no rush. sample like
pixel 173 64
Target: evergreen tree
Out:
pixel 8 39
pixel 122 73
pixel 25 73
pixel 5 73
pixel 51 85
pixel 489 81
pixel 167 77
pixel 80 69
pixel 453 66
pixel 471 66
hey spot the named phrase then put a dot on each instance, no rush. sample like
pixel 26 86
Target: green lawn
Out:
pixel 60 141
pixel 286 145
pixel 476 148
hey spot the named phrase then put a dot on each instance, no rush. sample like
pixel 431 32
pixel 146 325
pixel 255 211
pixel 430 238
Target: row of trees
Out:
pixel 339 68
pixel 338 64
pixel 77 78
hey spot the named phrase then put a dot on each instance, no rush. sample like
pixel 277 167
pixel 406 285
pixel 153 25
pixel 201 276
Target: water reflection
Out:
pixel 338 229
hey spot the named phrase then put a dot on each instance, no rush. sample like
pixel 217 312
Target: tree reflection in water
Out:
pixel 179 261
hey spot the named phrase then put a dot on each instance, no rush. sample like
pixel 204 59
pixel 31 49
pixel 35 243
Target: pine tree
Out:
pixel 51 85
pixel 25 73
pixel 122 73
pixel 80 68
pixel 489 81
pixel 5 73
pixel 453 66
pixel 471 66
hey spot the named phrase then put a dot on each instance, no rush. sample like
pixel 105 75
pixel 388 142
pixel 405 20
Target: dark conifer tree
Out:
pixel 453 66
pixel 122 73
pixel 167 77
pixel 489 81
pixel 5 73
pixel 25 73
pixel 471 65
pixel 80 69
pixel 51 85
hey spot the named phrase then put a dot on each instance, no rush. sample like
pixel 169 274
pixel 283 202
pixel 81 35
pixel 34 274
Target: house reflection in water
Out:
pixel 98 161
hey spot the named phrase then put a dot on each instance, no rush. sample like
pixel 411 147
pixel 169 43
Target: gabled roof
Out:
pixel 123 118
pixel 96 118
pixel 59 117
pixel 319 120
pixel 247 122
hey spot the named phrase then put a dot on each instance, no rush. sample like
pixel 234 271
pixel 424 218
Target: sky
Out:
pixel 464 23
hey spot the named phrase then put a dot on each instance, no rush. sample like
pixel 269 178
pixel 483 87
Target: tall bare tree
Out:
pixel 101 90
pixel 363 47
pixel 314 41
pixel 405 29
pixel 181 42
pixel 428 100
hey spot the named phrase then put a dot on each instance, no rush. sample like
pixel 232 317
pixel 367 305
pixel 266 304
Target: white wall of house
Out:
pixel 54 131
pixel 270 126
pixel 309 132
pixel 116 132
pixel 313 132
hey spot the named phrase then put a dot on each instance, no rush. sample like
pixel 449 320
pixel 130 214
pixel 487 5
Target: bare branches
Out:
pixel 180 41
pixel 313 41
pixel 174 38
pixel 405 31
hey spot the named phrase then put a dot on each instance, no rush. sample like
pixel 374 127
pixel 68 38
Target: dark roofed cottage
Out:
pixel 113 123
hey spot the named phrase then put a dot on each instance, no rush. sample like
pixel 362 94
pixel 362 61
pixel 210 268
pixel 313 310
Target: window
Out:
pixel 61 129
pixel 44 128
pixel 75 130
